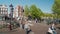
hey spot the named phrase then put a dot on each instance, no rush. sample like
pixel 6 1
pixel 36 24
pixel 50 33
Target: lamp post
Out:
pixel 11 10
pixel 11 15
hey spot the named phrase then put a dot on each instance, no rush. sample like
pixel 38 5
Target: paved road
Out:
pixel 37 28
pixel 40 28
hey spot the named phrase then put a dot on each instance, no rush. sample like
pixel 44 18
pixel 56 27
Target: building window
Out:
pixel 6 9
pixel 1 9
pixel 0 18
pixel 1 12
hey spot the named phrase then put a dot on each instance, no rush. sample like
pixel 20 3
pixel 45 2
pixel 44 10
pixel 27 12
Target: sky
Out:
pixel 44 5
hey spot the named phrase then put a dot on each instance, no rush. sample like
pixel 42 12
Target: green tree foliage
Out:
pixel 56 7
pixel 35 12
pixel 26 11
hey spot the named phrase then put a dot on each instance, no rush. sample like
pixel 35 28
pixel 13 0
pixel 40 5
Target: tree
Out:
pixel 35 12
pixel 56 7
pixel 26 11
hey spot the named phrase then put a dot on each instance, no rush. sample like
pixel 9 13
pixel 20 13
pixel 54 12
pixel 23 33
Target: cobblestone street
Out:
pixel 36 29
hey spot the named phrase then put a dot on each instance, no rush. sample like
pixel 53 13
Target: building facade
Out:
pixel 3 11
pixel 18 12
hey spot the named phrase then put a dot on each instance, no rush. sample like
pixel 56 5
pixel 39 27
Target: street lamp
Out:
pixel 11 14
pixel 11 9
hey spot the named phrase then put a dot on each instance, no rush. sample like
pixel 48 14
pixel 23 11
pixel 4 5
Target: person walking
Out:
pixel 52 29
pixel 36 20
pixel 27 27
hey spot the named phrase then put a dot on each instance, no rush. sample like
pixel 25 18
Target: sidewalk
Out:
pixel 15 31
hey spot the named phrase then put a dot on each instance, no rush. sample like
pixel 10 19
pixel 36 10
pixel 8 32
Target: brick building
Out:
pixel 18 12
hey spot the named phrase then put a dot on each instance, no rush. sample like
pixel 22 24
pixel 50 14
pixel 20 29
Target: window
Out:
pixel 0 9
pixel 1 12
pixel 0 18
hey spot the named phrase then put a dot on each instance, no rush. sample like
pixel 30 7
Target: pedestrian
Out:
pixel 27 27
pixel 36 20
pixel 52 29
pixel 23 23
pixel 20 23
pixel 9 26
